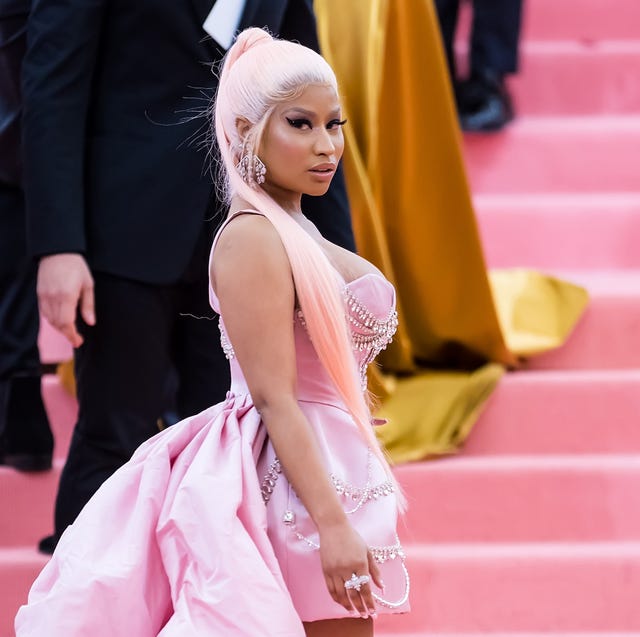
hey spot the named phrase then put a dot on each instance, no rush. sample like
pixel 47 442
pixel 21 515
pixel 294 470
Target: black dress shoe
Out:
pixel 47 545
pixel 26 443
pixel 484 104
pixel 27 462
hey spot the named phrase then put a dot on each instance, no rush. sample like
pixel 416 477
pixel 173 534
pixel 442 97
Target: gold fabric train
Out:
pixel 413 218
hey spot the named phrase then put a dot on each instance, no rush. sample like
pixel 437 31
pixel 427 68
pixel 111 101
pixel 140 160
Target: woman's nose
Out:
pixel 324 144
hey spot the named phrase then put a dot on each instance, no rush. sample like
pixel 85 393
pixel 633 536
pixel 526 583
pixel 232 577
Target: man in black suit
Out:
pixel 26 442
pixel 484 103
pixel 121 212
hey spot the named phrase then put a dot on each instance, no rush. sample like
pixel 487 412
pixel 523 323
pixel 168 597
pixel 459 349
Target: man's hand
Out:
pixel 64 283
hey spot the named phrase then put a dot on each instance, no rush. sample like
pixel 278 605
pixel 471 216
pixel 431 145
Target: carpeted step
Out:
pixel 523 498
pixel 565 230
pixel 54 347
pixel 608 334
pixel 483 588
pixel 18 569
pixel 570 77
pixel 560 412
pixel 458 588
pixel 62 409
pixel 584 20
pixel 466 498
pixel 556 154
pixel 384 633
pixel 578 78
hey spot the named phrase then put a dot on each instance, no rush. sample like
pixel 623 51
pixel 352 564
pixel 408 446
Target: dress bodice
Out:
pixel 370 308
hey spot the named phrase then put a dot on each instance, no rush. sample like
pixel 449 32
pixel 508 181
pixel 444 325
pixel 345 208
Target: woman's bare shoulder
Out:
pixel 249 242
pixel 246 233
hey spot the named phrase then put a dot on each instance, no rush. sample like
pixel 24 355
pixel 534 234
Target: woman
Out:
pixel 179 541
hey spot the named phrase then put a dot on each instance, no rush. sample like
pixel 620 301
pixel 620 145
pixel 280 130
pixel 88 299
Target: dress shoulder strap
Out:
pixel 213 299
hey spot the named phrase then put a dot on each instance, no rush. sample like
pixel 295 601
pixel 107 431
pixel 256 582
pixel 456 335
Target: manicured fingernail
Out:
pixel 364 615
pixel 374 615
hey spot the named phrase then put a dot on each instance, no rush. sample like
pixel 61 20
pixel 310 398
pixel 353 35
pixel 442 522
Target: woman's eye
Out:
pixel 299 123
pixel 336 123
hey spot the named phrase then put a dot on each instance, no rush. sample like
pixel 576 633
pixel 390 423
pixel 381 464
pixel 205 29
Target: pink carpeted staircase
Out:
pixel 534 529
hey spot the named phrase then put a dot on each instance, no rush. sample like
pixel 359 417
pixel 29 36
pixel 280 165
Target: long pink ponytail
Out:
pixel 267 71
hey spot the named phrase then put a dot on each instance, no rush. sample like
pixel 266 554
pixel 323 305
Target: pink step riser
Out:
pixel 567 232
pixel 467 588
pixel 577 412
pixel 586 21
pixel 573 78
pixel 548 154
pixel 18 569
pixel 566 416
pixel 62 409
pixel 458 588
pixel 516 498
pixel 606 337
pixel 523 499
pixel 54 348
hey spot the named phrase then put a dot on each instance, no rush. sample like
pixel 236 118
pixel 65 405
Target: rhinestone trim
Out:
pixel 227 348
pixel 403 600
pixel 382 554
pixel 366 494
pixel 269 481
pixel 368 333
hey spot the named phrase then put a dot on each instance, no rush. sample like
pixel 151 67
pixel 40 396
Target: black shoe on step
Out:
pixel 484 104
pixel 47 545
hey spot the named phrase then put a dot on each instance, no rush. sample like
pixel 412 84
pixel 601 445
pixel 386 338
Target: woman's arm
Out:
pixel 253 281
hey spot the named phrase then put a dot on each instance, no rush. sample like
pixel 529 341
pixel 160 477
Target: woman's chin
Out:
pixel 317 190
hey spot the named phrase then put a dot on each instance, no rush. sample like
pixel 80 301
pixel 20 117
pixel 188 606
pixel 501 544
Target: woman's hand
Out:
pixel 343 553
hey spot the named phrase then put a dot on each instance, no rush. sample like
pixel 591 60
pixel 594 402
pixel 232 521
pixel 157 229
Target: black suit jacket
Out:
pixel 13 25
pixel 109 171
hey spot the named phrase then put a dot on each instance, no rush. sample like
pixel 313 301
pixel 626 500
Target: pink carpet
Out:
pixel 535 527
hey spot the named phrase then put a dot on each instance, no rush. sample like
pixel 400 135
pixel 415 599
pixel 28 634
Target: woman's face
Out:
pixel 302 145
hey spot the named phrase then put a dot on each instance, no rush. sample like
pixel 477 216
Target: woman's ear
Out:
pixel 243 126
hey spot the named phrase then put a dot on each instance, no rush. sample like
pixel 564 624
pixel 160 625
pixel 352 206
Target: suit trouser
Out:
pixel 140 342
pixel 495 33
pixel 24 427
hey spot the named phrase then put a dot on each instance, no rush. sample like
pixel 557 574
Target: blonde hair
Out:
pixel 258 73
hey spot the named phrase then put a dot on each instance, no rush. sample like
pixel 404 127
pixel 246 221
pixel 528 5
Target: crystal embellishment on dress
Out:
pixel 227 348
pixel 289 517
pixel 366 494
pixel 383 553
pixel 368 333
pixel 269 481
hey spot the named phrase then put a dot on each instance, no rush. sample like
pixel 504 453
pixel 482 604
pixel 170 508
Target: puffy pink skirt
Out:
pixel 179 541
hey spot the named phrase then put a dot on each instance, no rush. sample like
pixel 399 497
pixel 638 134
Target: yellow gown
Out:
pixel 413 218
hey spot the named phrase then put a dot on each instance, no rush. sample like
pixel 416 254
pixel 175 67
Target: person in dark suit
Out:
pixel 26 442
pixel 121 212
pixel 483 101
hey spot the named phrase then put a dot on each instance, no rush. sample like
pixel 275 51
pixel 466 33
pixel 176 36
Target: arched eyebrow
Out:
pixel 311 114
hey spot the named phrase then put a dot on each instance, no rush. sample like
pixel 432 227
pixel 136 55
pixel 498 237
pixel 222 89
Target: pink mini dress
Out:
pixel 201 534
